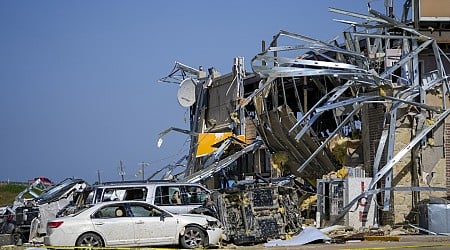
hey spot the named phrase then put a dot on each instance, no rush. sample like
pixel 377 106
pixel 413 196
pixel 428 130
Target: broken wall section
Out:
pixel 223 132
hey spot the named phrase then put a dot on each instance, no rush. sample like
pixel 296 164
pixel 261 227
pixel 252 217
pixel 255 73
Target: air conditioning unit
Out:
pixel 335 194
pixel 435 217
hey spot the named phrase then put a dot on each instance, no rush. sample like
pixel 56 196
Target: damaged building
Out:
pixel 372 106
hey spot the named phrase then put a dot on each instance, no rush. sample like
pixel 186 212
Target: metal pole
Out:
pixel 143 164
pixel 263 48
pixel 121 172
pixel 98 176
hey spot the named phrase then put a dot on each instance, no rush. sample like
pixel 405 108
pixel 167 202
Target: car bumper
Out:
pixel 215 236
pixel 57 239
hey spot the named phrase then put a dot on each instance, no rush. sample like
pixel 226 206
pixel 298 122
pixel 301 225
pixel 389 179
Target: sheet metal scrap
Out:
pixel 345 79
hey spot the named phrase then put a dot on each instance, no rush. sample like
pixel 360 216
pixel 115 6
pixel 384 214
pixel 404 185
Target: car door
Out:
pixel 153 226
pixel 115 227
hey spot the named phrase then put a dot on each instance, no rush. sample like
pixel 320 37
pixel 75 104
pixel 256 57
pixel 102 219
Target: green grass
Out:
pixel 8 193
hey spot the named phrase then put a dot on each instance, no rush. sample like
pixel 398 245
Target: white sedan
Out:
pixel 132 223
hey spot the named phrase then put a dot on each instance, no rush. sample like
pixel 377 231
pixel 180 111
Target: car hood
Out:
pixel 198 217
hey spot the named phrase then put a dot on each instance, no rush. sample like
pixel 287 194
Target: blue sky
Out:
pixel 79 86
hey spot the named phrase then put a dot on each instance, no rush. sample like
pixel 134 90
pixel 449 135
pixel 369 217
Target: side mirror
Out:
pixel 161 218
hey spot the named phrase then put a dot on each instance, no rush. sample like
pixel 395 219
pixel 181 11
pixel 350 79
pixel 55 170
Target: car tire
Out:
pixel 193 237
pixel 90 240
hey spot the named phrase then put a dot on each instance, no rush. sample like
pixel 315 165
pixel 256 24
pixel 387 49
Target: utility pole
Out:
pixel 143 165
pixel 98 176
pixel 121 170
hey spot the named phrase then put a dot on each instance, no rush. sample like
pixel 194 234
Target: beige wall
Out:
pixel 434 8
pixel 431 163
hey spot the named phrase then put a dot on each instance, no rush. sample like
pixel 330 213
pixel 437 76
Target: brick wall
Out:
pixel 374 125
pixel 373 115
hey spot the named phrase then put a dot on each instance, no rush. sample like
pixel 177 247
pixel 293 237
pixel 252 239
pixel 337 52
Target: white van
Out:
pixel 175 197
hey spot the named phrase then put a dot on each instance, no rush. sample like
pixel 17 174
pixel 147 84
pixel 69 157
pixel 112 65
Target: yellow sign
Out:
pixel 207 142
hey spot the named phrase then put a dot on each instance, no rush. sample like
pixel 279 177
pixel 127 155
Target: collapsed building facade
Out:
pixel 374 103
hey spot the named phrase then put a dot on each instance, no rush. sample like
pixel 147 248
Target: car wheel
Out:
pixel 90 240
pixel 193 237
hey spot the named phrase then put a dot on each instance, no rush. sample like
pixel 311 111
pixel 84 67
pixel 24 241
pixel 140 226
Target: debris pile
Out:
pixel 373 103
pixel 257 211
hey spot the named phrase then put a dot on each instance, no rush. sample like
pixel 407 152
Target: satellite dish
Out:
pixel 186 93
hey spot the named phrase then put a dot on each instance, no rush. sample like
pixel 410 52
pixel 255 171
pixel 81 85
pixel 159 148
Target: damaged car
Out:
pixel 175 197
pixel 133 223
pixel 27 218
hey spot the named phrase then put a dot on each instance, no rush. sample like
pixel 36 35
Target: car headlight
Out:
pixel 214 224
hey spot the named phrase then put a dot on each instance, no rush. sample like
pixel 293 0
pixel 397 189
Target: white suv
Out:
pixel 175 197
